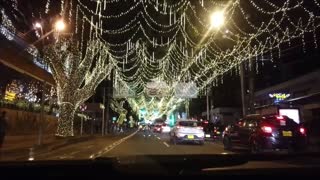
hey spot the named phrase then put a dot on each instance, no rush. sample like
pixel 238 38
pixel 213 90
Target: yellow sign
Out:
pixel 10 96
pixel 279 96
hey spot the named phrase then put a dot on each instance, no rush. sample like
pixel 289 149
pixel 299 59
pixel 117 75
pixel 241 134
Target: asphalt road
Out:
pixel 159 144
pixel 136 143
pixel 141 143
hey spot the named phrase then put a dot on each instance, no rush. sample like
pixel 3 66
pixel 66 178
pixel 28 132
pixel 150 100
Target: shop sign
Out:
pixel 278 97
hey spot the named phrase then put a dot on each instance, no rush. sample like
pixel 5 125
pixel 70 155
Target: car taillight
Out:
pixel 302 130
pixel 266 129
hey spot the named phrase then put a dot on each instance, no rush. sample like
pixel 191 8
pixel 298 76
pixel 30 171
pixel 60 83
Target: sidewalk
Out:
pixel 26 141
pixel 15 147
pixel 20 147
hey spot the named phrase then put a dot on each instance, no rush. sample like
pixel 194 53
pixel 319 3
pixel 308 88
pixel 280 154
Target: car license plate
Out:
pixel 218 132
pixel 208 135
pixel 287 133
pixel 190 137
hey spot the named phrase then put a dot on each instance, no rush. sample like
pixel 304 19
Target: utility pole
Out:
pixel 41 119
pixel 107 107
pixel 187 108
pixel 81 126
pixel 208 105
pixel 103 110
pixel 243 89
pixel 251 85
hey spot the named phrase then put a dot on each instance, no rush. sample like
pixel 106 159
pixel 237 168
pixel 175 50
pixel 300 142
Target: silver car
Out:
pixel 187 131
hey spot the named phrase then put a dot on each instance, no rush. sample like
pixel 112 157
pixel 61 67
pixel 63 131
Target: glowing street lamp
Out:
pixel 217 19
pixel 38 25
pixel 60 25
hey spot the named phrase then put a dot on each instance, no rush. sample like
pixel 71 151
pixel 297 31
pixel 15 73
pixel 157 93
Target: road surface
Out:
pixel 136 143
pixel 141 143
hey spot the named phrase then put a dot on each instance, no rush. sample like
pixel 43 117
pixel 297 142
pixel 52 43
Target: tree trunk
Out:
pixel 65 121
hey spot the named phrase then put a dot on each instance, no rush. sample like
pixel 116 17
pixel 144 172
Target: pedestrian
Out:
pixel 3 127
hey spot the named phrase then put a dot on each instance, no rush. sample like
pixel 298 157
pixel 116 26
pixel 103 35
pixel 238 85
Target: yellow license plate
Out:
pixel 190 137
pixel 287 133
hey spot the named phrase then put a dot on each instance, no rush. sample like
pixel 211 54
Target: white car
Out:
pixel 187 131
pixel 165 128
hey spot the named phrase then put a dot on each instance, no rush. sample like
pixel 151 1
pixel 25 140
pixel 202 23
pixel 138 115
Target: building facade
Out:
pixel 302 92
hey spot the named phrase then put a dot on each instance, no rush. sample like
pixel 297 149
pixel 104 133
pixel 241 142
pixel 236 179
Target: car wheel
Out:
pixel 255 147
pixel 227 143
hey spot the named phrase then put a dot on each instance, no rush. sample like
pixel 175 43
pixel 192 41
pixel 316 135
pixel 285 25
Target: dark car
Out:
pixel 265 133
pixel 157 128
pixel 212 130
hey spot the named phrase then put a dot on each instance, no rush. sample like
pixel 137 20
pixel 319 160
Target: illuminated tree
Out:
pixel 118 107
pixel 77 73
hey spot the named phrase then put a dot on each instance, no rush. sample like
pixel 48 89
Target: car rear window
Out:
pixel 277 122
pixel 189 123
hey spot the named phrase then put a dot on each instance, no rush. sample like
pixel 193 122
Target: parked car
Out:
pixel 187 131
pixel 265 133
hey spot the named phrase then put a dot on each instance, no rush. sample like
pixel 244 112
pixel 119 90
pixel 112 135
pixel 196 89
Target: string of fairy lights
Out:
pixel 175 41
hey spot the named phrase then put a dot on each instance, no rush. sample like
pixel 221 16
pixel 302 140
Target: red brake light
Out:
pixel 266 129
pixel 302 130
pixel 205 122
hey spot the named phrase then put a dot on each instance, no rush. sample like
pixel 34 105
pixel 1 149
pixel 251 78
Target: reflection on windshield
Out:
pixel 158 78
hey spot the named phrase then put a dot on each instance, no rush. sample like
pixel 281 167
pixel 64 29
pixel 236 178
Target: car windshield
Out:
pixel 113 78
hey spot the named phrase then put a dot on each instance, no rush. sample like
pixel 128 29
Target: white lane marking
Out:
pixel 90 146
pixel 158 138
pixel 112 146
pixel 166 144
pixel 75 152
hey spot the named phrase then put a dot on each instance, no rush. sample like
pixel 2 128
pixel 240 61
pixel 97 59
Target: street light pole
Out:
pixel 41 119
pixel 59 26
